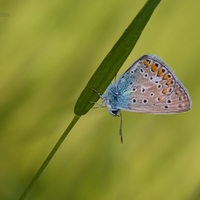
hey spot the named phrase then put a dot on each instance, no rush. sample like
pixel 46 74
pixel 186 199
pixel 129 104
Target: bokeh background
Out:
pixel 48 52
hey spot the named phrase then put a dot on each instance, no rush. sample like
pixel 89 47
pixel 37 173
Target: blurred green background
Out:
pixel 48 52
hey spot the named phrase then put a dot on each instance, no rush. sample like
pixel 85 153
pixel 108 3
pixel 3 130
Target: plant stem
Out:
pixel 49 157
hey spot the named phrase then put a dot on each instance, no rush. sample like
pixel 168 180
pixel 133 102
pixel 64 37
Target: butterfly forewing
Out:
pixel 150 86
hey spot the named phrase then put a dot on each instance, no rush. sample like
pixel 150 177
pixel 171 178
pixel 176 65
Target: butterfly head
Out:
pixel 114 112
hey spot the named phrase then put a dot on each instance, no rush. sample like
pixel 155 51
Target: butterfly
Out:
pixel 148 86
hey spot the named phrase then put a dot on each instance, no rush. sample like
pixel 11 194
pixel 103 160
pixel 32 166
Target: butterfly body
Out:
pixel 148 86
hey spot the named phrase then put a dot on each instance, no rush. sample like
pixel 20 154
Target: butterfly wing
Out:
pixel 150 86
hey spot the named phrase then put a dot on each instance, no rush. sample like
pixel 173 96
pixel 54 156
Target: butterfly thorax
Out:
pixel 110 98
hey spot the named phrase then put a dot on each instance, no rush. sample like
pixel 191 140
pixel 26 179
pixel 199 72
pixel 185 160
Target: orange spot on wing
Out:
pixel 146 63
pixel 153 67
pixel 160 73
pixel 166 77
pixel 160 98
pixel 165 91
pixel 169 83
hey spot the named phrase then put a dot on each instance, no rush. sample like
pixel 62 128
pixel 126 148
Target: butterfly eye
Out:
pixel 114 112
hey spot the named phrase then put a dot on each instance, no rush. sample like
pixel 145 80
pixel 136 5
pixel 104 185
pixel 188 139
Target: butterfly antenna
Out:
pixel 120 128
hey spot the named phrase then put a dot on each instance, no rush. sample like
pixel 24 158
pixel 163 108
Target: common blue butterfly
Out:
pixel 148 86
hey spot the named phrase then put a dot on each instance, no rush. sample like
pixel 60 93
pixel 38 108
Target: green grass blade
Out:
pixel 49 157
pixel 114 60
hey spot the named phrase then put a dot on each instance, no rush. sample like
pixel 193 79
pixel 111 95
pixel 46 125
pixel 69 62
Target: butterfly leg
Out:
pixel 102 104
pixel 96 92
pixel 98 105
